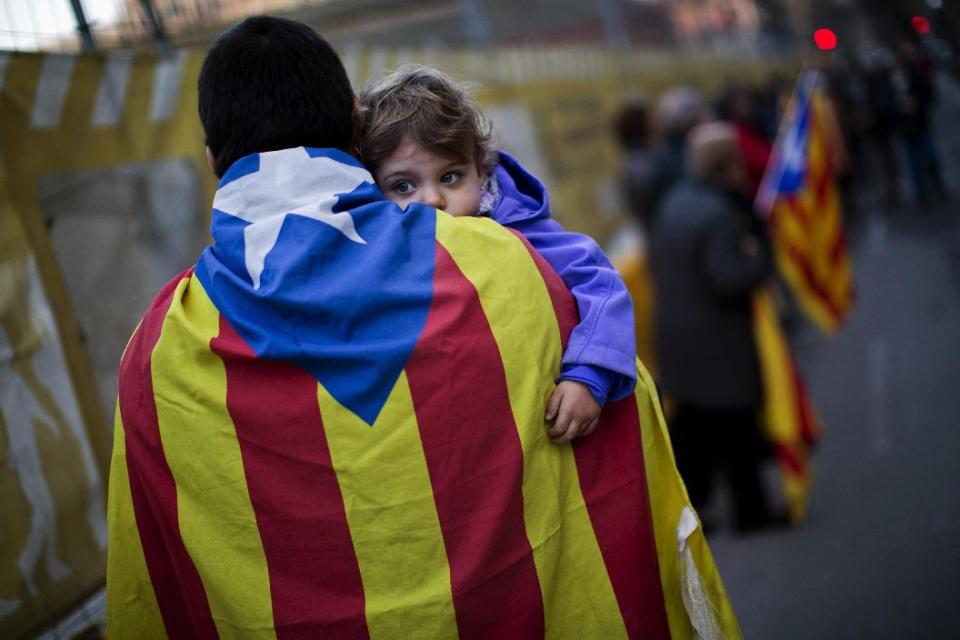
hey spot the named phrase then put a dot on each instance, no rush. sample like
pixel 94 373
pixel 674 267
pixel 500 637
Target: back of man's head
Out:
pixel 269 83
pixel 713 154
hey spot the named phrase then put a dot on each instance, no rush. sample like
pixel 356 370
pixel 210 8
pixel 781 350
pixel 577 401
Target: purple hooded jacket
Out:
pixel 602 351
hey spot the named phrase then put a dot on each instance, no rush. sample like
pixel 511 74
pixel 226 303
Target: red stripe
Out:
pixel 808 427
pixel 315 580
pixel 839 249
pixel 823 182
pixel 475 461
pixel 811 281
pixel 613 482
pixel 792 460
pixel 176 583
pixel 793 208
pixel 563 303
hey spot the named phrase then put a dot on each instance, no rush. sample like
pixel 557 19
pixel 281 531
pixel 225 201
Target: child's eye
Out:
pixel 451 177
pixel 404 186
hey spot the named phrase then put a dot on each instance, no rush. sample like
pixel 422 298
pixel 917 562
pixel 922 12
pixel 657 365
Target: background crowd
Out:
pixel 693 167
pixel 103 189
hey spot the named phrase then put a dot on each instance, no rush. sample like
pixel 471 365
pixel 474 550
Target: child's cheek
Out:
pixel 463 205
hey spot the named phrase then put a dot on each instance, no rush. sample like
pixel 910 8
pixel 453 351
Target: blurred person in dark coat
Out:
pixel 708 256
pixel 632 127
pixel 881 129
pixel 915 91
pixel 739 105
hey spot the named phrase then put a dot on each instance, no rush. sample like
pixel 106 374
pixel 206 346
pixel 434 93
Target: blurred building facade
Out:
pixel 745 25
pixel 730 26
pixel 431 23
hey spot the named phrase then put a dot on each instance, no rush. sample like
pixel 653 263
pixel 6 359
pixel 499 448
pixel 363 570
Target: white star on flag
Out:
pixel 289 182
pixel 795 157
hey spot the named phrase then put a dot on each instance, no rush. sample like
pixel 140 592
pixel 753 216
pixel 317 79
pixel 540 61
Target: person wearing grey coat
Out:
pixel 708 256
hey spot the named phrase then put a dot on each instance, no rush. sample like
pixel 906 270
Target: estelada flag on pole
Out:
pixel 799 195
pixel 800 198
pixel 333 427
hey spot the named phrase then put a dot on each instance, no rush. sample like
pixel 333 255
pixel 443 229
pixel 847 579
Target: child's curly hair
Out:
pixel 430 109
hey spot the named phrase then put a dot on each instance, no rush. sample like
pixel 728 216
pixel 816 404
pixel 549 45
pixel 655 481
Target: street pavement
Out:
pixel 879 556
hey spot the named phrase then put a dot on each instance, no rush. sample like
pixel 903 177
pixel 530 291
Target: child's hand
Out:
pixel 575 411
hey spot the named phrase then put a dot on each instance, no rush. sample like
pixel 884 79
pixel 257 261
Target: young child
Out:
pixel 425 140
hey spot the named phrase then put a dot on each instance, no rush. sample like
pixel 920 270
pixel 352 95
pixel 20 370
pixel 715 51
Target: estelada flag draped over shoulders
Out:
pixel 333 427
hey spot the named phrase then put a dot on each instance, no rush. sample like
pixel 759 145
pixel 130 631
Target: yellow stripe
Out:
pixel 796 489
pixel 835 279
pixel 792 232
pixel 839 278
pixel 814 252
pixel 216 517
pixel 578 598
pixel 132 609
pixel 668 498
pixel 392 517
pixel 809 300
pixel 781 419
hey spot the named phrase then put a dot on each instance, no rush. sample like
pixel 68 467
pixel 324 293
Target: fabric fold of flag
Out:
pixel 790 421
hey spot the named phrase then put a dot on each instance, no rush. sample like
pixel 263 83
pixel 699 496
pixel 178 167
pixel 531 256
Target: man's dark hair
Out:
pixel 269 83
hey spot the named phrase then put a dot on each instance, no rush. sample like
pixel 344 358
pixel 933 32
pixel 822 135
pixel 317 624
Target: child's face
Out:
pixel 415 174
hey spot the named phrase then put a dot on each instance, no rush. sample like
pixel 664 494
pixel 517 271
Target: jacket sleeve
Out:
pixel 605 338
pixel 730 270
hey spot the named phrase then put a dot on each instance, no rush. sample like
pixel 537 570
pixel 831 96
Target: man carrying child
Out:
pixel 333 424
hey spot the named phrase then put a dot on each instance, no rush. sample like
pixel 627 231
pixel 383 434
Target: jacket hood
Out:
pixel 522 195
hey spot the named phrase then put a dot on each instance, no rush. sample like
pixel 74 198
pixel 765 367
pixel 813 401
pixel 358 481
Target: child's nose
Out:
pixel 434 198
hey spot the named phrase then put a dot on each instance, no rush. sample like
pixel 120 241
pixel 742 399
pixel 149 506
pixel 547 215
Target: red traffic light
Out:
pixel 825 39
pixel 920 24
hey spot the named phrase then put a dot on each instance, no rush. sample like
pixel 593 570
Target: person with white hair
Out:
pixel 708 256
pixel 678 110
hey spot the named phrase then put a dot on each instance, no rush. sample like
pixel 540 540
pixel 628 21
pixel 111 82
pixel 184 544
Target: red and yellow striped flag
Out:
pixel 791 422
pixel 800 195
pixel 247 501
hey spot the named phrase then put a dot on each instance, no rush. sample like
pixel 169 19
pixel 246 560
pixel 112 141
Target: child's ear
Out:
pixel 357 115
